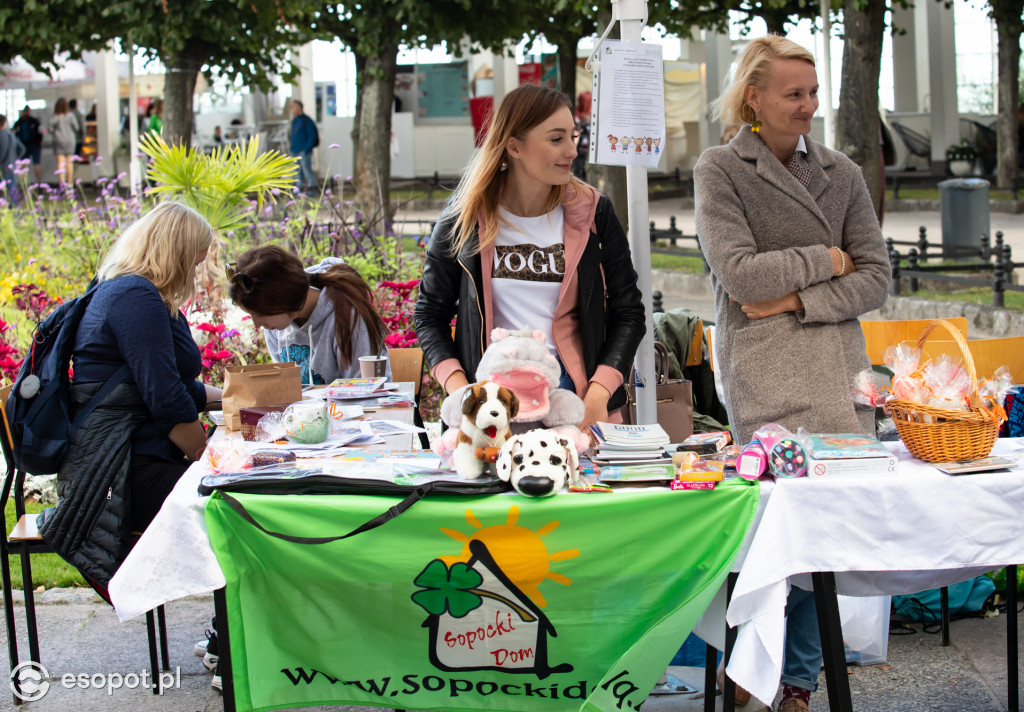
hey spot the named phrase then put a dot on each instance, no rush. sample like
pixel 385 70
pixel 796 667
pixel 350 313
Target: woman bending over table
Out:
pixel 322 317
pixel 525 244
pixel 133 448
pixel 796 256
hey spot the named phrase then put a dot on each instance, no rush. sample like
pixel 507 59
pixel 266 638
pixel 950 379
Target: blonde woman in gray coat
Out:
pixel 796 256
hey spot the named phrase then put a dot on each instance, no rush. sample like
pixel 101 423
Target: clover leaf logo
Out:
pixel 451 589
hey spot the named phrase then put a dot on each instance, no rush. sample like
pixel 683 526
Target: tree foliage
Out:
pixel 245 41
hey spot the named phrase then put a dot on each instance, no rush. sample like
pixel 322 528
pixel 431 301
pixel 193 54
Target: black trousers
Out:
pixel 150 481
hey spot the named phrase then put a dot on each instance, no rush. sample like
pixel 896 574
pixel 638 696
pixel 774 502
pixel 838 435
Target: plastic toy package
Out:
pixel 907 380
pixel 947 383
pixel 303 422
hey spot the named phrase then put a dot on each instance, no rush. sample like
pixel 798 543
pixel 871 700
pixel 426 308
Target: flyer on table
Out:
pixel 628 114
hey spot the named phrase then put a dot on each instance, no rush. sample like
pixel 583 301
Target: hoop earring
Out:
pixel 756 126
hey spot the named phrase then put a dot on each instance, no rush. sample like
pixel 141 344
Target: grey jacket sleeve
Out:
pixel 731 251
pixel 866 289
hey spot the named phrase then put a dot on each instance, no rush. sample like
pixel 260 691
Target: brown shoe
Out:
pixel 793 705
pixel 742 696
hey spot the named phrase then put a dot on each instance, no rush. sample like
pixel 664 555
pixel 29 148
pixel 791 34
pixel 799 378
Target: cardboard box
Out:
pixel 852 467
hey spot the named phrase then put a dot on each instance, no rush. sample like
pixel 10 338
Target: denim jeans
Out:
pixel 565 381
pixel 802 659
pixel 305 179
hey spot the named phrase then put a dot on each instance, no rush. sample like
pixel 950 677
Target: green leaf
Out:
pixel 448 589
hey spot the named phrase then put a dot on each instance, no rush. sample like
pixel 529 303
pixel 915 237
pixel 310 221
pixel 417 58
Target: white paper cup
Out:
pixel 372 366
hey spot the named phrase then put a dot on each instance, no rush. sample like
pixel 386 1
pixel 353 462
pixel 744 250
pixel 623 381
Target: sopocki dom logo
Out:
pixel 34 681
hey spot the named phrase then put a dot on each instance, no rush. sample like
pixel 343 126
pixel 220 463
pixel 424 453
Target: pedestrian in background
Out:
pixel 11 150
pixel 304 138
pixel 26 128
pixel 80 135
pixel 64 127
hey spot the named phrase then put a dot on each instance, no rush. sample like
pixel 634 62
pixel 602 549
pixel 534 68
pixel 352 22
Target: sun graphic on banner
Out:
pixel 519 552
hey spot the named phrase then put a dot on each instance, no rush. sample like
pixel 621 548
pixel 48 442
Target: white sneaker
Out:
pixel 210 661
pixel 216 683
pixel 200 648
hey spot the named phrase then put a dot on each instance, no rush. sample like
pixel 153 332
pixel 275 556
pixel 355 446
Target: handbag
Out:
pixel 674 398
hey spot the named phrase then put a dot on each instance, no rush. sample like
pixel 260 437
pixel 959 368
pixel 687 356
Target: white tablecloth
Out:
pixel 916 530
pixel 173 559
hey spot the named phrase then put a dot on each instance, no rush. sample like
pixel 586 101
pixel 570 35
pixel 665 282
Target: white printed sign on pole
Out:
pixel 628 114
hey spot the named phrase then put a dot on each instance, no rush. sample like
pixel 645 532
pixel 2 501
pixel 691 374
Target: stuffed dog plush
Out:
pixel 538 463
pixel 520 361
pixel 487 410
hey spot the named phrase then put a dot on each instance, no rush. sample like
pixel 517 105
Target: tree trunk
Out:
pixel 179 88
pixel 858 124
pixel 775 21
pixel 567 67
pixel 372 173
pixel 360 68
pixel 610 180
pixel 1007 14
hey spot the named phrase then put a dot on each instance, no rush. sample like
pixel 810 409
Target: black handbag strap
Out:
pixel 412 498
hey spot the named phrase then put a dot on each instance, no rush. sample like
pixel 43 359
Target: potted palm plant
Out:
pixel 960 157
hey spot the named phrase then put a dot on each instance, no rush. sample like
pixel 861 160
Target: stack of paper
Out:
pixel 631 453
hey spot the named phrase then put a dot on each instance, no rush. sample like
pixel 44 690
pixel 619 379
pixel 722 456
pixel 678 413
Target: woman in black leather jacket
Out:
pixel 525 245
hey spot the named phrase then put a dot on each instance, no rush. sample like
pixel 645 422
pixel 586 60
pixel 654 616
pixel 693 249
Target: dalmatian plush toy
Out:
pixel 538 463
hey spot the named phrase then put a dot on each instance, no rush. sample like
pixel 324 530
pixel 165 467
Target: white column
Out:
pixel 717 61
pixel 828 108
pixel 134 167
pixel 108 114
pixel 632 14
pixel 506 72
pixel 304 88
pixel 904 61
pixel 938 39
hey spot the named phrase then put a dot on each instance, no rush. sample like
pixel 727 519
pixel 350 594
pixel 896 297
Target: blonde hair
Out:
pixel 476 197
pixel 754 69
pixel 161 246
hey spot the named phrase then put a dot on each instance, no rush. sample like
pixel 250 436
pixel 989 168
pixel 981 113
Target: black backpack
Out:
pixel 39 407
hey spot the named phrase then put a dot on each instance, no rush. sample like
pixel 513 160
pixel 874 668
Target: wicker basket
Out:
pixel 942 435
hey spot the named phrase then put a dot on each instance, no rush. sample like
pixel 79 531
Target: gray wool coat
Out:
pixel 764 236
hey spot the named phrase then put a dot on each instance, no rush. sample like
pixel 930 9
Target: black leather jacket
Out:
pixel 611 313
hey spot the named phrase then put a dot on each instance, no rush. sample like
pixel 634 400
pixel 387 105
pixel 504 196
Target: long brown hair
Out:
pixel 269 280
pixel 61 107
pixel 480 189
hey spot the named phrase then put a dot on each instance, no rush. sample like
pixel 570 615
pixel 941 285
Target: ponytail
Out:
pixel 353 301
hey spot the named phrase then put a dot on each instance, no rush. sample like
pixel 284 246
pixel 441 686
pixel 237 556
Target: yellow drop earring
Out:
pixel 756 126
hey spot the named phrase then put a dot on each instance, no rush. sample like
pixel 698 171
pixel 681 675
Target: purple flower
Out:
pixel 333 146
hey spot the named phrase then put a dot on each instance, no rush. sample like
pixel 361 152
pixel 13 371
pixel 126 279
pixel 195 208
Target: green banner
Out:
pixel 574 602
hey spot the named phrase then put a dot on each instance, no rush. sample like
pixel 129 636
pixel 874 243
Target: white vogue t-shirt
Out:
pixel 526 276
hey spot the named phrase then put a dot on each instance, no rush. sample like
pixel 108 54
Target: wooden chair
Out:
pixel 407 365
pixel 988 354
pixel 880 335
pixel 24 539
pixel 696 346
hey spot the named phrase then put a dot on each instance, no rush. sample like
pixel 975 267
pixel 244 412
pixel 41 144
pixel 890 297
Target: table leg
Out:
pixel 944 613
pixel 220 607
pixel 1012 681
pixel 729 693
pixel 710 665
pixel 832 642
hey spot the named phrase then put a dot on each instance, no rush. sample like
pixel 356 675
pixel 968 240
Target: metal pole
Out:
pixel 134 177
pixel 826 61
pixel 632 16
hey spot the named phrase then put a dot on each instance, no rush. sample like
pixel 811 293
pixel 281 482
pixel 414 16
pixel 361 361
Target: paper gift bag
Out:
pixel 259 384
